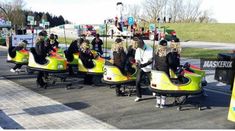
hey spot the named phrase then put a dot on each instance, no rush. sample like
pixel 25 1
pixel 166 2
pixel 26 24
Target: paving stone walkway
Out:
pixel 21 108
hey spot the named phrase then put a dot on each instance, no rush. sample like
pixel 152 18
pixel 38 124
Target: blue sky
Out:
pixel 95 11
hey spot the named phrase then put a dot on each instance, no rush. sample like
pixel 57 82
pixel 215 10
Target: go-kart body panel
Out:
pixel 161 82
pixel 112 75
pixel 97 69
pixel 21 57
pixel 55 63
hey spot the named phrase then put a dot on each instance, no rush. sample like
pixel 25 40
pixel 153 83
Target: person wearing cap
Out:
pixel 97 44
pixel 162 63
pixel 50 44
pixel 119 59
pixel 41 53
pixel 22 46
pixel 174 37
pixel 86 57
pixel 143 57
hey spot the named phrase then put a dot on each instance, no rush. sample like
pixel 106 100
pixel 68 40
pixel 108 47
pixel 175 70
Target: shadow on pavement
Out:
pixel 7 123
pixel 41 110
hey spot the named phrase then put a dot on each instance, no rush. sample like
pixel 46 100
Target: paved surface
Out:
pixel 22 108
pixel 101 103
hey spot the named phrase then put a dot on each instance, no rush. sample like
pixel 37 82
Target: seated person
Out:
pixel 161 60
pixel 119 55
pixel 51 44
pixel 56 44
pixel 22 46
pixel 175 50
pixel 131 57
pixel 74 47
pixel 86 55
pixel 119 59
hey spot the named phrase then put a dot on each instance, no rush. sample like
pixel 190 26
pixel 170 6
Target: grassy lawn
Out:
pixel 211 32
pixel 198 53
pixel 204 32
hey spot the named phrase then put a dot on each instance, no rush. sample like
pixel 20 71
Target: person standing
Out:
pixel 97 44
pixel 41 56
pixel 143 57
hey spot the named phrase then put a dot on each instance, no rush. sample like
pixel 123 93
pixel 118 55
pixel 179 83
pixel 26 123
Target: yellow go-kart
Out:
pixel 54 63
pixel 18 57
pixel 186 84
pixel 113 76
pixel 98 65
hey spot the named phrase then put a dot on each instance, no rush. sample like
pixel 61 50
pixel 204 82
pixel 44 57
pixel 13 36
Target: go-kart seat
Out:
pixel 37 58
pixel 180 77
pixel 88 64
pixel 12 53
pixel 69 56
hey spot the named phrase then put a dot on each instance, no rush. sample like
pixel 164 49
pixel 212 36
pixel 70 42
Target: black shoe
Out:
pixel 45 86
pixel 120 93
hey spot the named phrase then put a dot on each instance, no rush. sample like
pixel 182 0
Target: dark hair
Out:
pixel 163 43
pixel 139 41
pixel 42 33
pixel 80 41
pixel 118 40
pixel 56 36
pixel 52 36
pixel 97 35
pixel 86 41
pixel 25 41
pixel 175 39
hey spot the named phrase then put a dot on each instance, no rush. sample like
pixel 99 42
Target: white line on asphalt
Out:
pixel 216 91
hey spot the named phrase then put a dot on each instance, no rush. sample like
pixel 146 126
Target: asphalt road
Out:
pixel 122 112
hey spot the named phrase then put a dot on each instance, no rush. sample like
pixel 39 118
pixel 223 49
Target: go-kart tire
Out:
pixel 199 108
pixel 179 108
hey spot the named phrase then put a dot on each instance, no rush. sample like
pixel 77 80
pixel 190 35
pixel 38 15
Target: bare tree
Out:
pixel 205 17
pixel 134 11
pixel 14 11
pixel 191 10
pixel 174 9
pixel 153 9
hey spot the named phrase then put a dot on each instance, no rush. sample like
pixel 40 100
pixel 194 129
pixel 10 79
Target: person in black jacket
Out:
pixel 131 56
pixel 86 57
pixel 74 47
pixel 51 44
pixel 119 60
pixel 97 44
pixel 41 53
pixel 162 63
pixel 175 50
pixel 22 46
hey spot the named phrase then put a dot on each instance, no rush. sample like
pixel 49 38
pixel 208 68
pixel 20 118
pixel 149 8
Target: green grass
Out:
pixel 198 53
pixel 210 32
pixel 204 32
